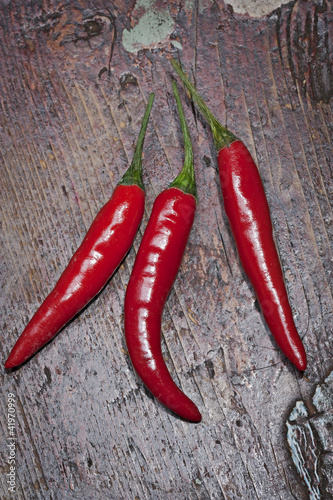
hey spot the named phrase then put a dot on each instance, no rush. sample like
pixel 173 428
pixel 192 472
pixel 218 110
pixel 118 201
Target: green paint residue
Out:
pixel 177 45
pixel 153 27
pixel 299 411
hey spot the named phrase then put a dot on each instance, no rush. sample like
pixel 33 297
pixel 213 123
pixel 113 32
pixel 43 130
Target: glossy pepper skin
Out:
pixel 106 243
pixel 250 222
pixel 248 213
pixel 153 274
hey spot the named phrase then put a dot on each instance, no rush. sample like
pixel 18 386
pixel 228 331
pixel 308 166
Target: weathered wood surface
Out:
pixel 71 102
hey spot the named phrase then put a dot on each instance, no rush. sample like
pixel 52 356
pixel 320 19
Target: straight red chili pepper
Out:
pixel 153 274
pixel 105 245
pixel 248 213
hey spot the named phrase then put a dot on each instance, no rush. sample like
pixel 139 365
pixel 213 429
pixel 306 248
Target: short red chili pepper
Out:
pixel 105 245
pixel 153 274
pixel 248 213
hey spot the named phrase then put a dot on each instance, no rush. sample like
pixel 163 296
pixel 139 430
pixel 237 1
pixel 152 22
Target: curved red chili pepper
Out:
pixel 153 274
pixel 248 213
pixel 105 245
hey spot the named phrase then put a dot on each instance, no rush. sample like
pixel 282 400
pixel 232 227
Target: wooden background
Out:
pixel 71 103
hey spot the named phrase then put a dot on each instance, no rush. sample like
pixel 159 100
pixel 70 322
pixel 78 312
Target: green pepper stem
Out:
pixel 222 136
pixel 186 179
pixel 133 174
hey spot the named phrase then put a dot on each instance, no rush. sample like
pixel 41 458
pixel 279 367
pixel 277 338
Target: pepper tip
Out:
pixel 11 362
pixel 299 360
pixel 197 418
pixel 8 365
pixel 301 365
pixel 190 413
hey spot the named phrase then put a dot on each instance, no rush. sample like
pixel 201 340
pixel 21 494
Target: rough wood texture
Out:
pixel 71 102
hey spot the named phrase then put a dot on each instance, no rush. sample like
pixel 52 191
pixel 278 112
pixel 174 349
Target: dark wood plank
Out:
pixel 71 103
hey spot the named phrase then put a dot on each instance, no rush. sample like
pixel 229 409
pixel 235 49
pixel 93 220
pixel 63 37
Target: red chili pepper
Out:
pixel 105 245
pixel 248 213
pixel 153 274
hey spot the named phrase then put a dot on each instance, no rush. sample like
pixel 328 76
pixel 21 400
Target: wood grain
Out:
pixel 71 103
